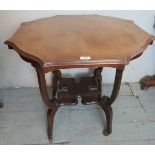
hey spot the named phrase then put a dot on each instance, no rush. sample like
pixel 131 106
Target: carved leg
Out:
pixel 43 88
pixel 109 115
pixel 51 104
pixel 51 112
pixel 55 79
pixel 106 102
pixel 98 76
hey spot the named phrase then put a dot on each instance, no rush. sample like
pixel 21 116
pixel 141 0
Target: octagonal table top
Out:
pixel 74 40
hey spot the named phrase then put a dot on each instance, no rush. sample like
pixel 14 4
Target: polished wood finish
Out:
pixel 90 41
pixel 63 40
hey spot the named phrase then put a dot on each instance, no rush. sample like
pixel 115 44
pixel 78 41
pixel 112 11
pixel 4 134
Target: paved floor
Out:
pixel 23 119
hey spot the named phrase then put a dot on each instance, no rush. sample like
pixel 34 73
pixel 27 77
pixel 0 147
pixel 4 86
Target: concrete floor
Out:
pixel 23 119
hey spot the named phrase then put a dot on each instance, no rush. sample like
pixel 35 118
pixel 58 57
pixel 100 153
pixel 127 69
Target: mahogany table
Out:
pixel 79 41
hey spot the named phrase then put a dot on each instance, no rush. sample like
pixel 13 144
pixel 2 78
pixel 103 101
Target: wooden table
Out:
pixel 79 41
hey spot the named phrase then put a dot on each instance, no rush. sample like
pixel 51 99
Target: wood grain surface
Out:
pixel 80 40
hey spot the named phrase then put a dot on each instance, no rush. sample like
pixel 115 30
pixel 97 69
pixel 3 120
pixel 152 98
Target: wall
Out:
pixel 14 72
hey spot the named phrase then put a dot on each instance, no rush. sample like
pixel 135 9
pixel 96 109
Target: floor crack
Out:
pixel 141 105
pixel 126 83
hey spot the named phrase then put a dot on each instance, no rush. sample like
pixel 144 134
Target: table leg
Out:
pixel 106 102
pixel 50 122
pixel 51 112
pixel 98 76
pixel 51 104
pixel 55 79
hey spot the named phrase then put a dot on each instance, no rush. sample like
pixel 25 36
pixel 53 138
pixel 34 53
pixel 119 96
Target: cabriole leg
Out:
pixel 51 103
pixel 98 76
pixel 106 102
pixel 51 112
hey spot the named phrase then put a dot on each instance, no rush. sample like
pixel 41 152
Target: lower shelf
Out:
pixel 87 88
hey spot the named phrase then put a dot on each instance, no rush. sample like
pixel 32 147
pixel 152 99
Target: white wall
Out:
pixel 14 72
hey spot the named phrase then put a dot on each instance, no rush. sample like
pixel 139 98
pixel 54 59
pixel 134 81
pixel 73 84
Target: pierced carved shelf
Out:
pixel 86 88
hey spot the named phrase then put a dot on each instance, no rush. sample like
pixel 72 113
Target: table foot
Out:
pixel 50 121
pixel 50 140
pixel 109 114
pixel 106 132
